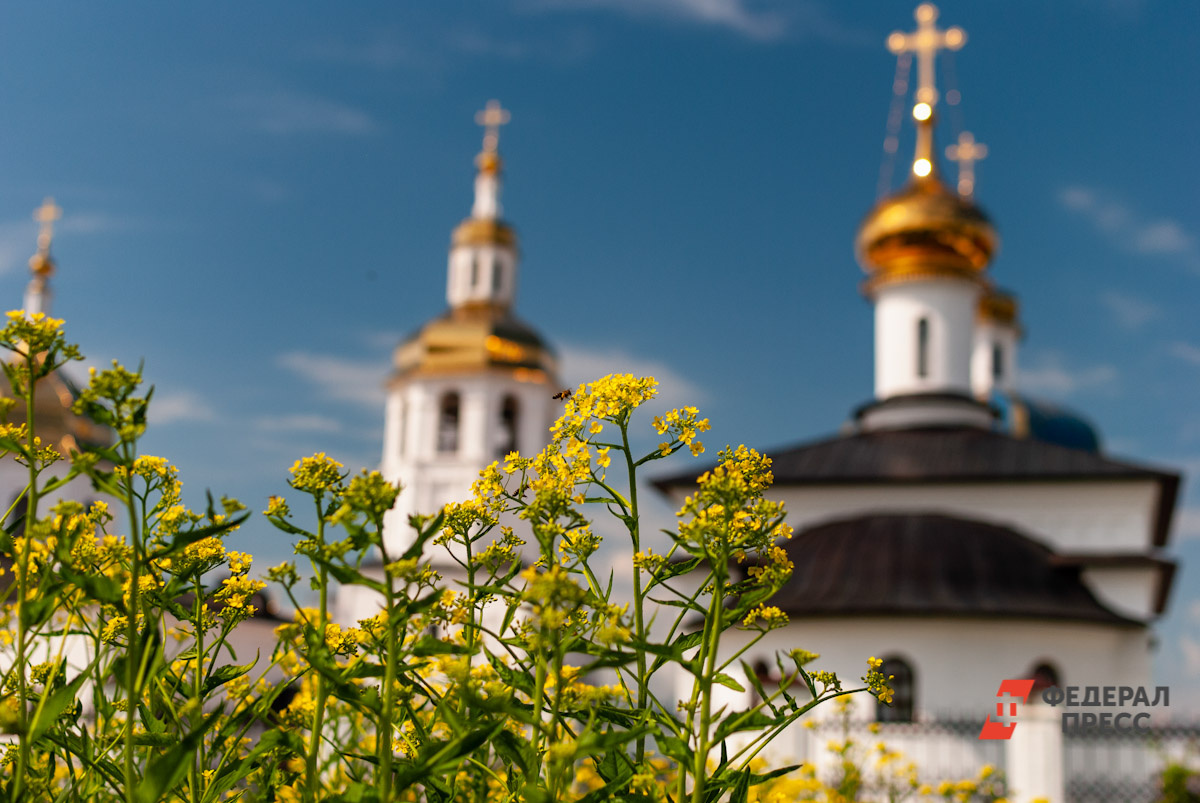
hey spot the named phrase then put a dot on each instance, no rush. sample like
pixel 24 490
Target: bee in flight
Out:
pixel 562 395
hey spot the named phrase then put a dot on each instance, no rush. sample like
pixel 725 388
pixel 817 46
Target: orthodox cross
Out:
pixel 46 214
pixel 967 152
pixel 491 118
pixel 926 41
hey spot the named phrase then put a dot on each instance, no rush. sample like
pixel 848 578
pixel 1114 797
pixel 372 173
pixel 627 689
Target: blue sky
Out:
pixel 258 200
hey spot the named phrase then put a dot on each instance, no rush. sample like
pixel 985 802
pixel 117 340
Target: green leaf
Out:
pixel 98 587
pixel 748 720
pixel 441 758
pixel 224 674
pixel 186 538
pixel 48 712
pixel 515 750
pixel 757 685
pixel 165 770
pixel 728 682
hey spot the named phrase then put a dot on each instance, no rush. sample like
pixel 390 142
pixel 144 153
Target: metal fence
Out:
pixel 1098 766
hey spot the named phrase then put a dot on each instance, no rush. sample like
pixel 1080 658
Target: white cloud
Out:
pixel 298 423
pixel 341 379
pixel 1129 311
pixel 18 241
pixel 1049 374
pixel 585 364
pixel 382 50
pixel 170 408
pixel 1163 237
pixel 91 223
pixel 476 43
pixel 1130 229
pixel 289 112
pixel 1186 352
pixel 732 14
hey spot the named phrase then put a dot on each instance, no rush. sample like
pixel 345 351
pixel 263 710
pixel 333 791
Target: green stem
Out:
pixel 22 587
pixel 198 610
pixel 633 523
pixel 384 730
pixel 712 641
pixel 312 781
pixel 133 652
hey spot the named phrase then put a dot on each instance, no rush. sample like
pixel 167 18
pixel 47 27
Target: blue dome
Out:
pixel 1023 417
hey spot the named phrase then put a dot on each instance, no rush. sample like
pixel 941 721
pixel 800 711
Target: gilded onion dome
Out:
pixel 479 333
pixel 925 230
pixel 475 338
pixel 998 306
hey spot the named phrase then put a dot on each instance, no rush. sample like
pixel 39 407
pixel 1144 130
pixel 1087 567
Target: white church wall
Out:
pixel 432 478
pixel 988 336
pixel 1087 517
pixel 949 307
pixel 958 663
pixel 1126 590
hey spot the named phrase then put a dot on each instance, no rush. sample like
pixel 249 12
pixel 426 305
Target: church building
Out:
pixel 954 528
pixel 470 386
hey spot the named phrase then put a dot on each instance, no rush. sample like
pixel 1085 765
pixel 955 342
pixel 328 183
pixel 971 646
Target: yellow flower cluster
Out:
pixel 38 333
pixel 611 398
pixel 765 618
pixel 729 517
pixel 315 474
pixel 876 682
pixel 683 426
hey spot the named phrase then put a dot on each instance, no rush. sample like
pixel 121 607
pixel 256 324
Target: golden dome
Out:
pixel 922 231
pixel 475 338
pixel 483 231
pixel 488 162
pixel 41 265
pixel 998 306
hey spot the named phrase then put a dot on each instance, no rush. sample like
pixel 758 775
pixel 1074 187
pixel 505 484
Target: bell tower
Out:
pixel 476 382
pixel 925 249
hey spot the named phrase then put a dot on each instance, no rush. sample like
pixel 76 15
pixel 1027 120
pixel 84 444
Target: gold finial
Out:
pixel 46 214
pixel 926 41
pixel 491 118
pixel 967 152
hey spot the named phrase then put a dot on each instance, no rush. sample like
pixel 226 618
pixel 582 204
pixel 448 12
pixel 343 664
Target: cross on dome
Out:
pixel 491 118
pixel 46 214
pixel 967 152
pixel 925 42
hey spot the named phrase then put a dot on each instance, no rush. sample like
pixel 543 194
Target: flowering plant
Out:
pixel 518 676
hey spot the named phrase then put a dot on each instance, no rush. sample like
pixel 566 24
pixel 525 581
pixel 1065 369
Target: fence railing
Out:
pixel 1097 766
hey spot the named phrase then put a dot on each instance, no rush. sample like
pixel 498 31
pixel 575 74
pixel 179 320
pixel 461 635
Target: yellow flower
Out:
pixel 315 474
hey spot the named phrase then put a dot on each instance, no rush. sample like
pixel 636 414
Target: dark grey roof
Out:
pixel 943 454
pixel 932 565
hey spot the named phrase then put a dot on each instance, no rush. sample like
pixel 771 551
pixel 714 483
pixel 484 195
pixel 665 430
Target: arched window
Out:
pixel 904 688
pixel 496 276
pixel 474 272
pixel 1044 676
pixel 923 347
pixel 510 413
pixel 997 362
pixel 447 431
pixel 402 434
